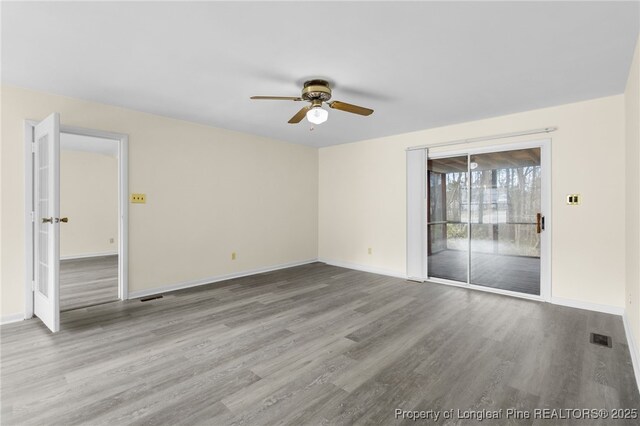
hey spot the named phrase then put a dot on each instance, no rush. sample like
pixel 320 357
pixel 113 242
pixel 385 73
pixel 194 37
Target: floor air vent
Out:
pixel 600 339
pixel 146 299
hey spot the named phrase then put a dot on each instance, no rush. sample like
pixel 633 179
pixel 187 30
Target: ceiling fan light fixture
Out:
pixel 317 115
pixel 316 93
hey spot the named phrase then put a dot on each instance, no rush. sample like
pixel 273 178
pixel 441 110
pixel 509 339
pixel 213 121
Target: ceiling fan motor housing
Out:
pixel 316 90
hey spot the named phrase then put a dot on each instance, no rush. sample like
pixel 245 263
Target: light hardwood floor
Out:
pixel 88 281
pixel 314 344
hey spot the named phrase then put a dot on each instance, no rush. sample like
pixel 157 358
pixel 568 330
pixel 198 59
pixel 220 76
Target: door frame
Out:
pixel 545 236
pixel 123 207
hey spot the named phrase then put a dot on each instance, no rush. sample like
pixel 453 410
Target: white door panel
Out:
pixel 47 226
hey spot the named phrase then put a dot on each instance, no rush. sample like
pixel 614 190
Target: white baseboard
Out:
pixel 6 319
pixel 363 268
pixel 203 281
pixel 607 309
pixel 84 256
pixel 633 347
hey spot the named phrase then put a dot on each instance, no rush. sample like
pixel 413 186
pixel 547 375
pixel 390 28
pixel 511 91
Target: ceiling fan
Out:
pixel 316 92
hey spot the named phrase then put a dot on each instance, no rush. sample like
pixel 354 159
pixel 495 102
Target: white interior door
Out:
pixel 47 226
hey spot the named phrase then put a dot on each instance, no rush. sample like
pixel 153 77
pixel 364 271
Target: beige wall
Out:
pixel 632 109
pixel 209 192
pixel 363 202
pixel 212 191
pixel 89 198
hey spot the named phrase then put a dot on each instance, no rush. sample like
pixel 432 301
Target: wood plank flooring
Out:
pixel 314 344
pixel 87 282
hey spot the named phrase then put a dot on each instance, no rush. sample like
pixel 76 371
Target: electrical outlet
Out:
pixel 138 198
pixel 233 255
pixel 370 250
pixel 573 199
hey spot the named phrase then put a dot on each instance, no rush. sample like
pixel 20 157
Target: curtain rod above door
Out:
pixel 486 138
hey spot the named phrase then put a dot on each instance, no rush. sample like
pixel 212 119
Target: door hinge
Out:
pixel 33 216
pixel 33 147
pixel 33 285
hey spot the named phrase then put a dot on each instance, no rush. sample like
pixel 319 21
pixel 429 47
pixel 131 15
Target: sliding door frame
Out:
pixel 545 235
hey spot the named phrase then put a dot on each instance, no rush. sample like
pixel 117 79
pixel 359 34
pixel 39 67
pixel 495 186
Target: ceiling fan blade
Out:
pixel 277 98
pixel 355 109
pixel 299 115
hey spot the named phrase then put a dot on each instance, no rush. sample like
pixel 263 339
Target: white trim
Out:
pixel 486 289
pixel 8 319
pixel 365 268
pixel 546 259
pixel 469 237
pixel 607 309
pixel 485 138
pixel 489 149
pixel 29 209
pixel 506 292
pixel 87 255
pixel 204 281
pixel 444 281
pixel 633 347
pixel 123 210
pixel 123 207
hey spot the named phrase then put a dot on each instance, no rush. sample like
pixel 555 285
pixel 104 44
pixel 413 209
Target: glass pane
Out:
pixel 505 198
pixel 447 216
pixel 43 208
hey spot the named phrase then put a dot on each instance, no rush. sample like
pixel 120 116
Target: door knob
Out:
pixel 47 220
pixel 64 219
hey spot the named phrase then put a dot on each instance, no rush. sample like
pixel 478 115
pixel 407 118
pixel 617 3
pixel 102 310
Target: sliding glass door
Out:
pixel 448 218
pixel 484 219
pixel 505 201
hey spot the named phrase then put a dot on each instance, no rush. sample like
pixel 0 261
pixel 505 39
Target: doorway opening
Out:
pixel 89 236
pixel 76 253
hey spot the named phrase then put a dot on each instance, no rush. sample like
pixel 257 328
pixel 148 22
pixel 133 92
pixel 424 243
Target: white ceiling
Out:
pixel 418 64
pixel 71 142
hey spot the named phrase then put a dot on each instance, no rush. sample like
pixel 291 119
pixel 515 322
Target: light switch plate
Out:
pixel 138 198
